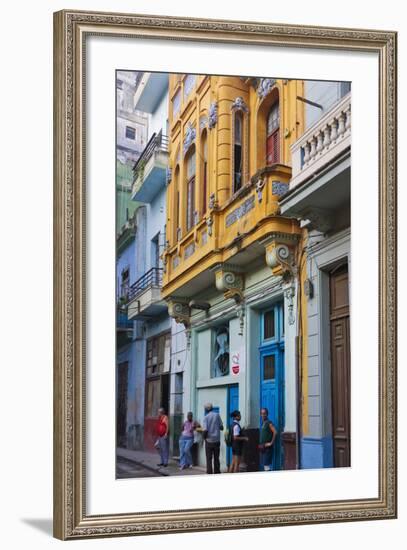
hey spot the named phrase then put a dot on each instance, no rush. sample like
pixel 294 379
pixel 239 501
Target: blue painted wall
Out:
pixel 134 258
pixel 140 250
pixel 127 259
pixel 132 353
pixel 316 452
pixel 155 225
pixel 135 255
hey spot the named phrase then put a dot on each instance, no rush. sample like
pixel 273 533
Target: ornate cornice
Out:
pixel 286 33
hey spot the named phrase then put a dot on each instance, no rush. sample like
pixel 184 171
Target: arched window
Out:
pixel 273 134
pixel 204 174
pixel 238 152
pixel 191 169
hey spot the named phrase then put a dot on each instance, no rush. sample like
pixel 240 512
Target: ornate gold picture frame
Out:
pixel 71 29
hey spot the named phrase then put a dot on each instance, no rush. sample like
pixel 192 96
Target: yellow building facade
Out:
pixel 207 115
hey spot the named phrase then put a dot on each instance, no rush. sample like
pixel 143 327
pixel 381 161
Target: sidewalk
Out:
pixel 150 460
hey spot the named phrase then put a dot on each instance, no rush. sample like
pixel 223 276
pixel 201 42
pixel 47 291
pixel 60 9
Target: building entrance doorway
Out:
pixel 340 364
pixel 272 373
pixel 233 405
pixel 157 385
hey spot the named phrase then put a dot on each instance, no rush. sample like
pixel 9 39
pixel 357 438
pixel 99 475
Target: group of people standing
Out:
pixel 186 440
pixel 211 429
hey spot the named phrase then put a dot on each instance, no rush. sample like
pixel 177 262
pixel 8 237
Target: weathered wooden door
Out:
pixel 340 365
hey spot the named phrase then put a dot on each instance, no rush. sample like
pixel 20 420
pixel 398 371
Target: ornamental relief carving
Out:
pixel 239 104
pixel 190 136
pixel 168 175
pixel 213 114
pixel 230 283
pixel 281 260
pixel 265 86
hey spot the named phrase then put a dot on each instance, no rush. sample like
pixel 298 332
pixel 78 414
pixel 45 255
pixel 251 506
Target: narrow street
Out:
pixel 126 468
pixel 132 463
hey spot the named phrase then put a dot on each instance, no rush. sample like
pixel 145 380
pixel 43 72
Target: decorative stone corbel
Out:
pixel 280 258
pixel 181 312
pixel 232 285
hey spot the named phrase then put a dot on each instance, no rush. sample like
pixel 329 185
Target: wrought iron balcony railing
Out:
pixel 152 278
pixel 158 142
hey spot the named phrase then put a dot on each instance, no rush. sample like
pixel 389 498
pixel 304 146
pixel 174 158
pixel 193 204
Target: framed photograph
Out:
pixel 225 275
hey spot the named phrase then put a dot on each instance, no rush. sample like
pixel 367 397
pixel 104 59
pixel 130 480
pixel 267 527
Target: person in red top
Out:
pixel 162 429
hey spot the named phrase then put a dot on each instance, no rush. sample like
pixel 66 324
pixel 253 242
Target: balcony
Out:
pixel 144 297
pixel 150 88
pixel 150 169
pixel 320 184
pixel 234 232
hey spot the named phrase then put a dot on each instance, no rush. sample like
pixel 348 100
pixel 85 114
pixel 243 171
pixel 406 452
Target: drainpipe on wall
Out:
pixel 299 402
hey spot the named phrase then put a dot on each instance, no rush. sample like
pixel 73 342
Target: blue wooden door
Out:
pixel 233 405
pixel 272 374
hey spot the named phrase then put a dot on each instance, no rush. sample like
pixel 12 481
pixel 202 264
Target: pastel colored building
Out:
pixel 319 196
pixel 240 258
pixel 162 368
pixel 131 139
